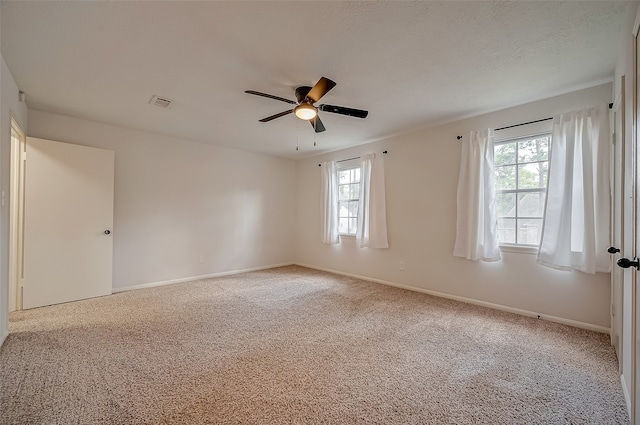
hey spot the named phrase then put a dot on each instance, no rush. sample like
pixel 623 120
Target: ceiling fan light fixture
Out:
pixel 306 111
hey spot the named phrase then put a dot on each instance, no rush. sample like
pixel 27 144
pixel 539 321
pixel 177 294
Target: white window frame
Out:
pixel 343 166
pixel 520 247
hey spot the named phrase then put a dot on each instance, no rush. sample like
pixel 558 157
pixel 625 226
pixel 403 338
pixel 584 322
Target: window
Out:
pixel 521 169
pixel 348 197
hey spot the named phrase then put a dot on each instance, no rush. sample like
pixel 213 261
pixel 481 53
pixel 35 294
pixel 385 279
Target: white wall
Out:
pixel 421 182
pixel 176 200
pixel 10 106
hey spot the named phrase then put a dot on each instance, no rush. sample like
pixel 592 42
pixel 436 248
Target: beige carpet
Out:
pixel 296 346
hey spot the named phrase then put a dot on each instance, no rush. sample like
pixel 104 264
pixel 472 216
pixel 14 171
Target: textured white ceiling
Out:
pixel 411 64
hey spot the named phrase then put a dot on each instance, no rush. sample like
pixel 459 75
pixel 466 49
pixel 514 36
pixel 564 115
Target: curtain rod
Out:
pixel 526 123
pixel 349 159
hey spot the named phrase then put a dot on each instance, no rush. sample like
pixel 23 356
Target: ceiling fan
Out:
pixel 306 97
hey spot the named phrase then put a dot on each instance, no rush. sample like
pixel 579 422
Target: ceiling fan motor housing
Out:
pixel 302 92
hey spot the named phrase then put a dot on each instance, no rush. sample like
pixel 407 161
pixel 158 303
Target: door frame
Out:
pixel 618 220
pixel 16 215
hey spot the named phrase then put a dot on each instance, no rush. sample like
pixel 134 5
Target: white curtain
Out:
pixel 477 225
pixel 575 233
pixel 372 213
pixel 329 202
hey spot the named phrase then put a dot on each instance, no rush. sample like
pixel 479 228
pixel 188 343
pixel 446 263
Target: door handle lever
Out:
pixel 612 250
pixel 625 263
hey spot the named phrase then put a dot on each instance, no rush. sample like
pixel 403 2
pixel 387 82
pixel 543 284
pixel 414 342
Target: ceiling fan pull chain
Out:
pixel 297 135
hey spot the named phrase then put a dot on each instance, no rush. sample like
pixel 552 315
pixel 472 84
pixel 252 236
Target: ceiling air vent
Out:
pixel 161 102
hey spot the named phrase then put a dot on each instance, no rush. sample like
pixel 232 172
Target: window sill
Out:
pixel 531 250
pixel 346 235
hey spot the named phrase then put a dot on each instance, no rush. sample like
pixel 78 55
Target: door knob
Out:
pixel 625 263
pixel 612 250
pixel 107 232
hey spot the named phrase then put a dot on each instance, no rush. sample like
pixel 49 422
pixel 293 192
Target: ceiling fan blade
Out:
pixel 358 113
pixel 321 88
pixel 317 125
pixel 273 117
pixel 270 96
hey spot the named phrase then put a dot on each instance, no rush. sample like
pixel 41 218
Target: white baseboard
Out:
pixel 519 311
pixel 3 336
pixel 627 399
pixel 192 278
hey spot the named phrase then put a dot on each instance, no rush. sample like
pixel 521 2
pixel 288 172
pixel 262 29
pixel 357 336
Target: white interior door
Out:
pixel 627 335
pixel 635 398
pixel 630 335
pixel 68 212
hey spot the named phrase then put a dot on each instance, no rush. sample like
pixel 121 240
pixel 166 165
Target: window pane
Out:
pixel 343 176
pixel 507 230
pixel 343 192
pixel 529 231
pixel 521 169
pixel 533 149
pixel 343 209
pixel 355 191
pixel 531 204
pixel 353 225
pixel 348 195
pixel 532 176
pixel 343 225
pixel 506 204
pixel 504 154
pixel 353 209
pixel 355 175
pixel 506 177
